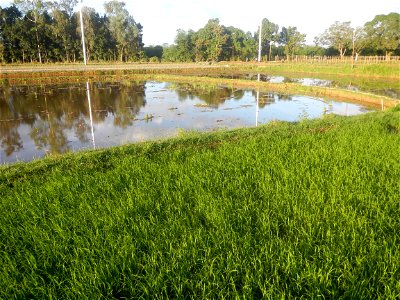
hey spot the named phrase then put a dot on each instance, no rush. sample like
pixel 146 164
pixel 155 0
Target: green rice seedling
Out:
pixel 285 210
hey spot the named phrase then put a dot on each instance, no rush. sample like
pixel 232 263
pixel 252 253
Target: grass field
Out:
pixel 373 70
pixel 386 70
pixel 285 210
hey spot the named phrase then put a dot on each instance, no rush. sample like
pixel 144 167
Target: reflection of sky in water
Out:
pixel 276 79
pixel 315 82
pixel 150 111
pixel 375 86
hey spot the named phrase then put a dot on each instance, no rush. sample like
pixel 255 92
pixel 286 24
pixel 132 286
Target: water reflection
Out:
pixel 383 87
pixel 212 95
pixel 51 119
pixel 90 114
pixel 258 100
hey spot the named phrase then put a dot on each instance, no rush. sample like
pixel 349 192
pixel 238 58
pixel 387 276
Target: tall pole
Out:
pixel 352 55
pixel 259 42
pixel 83 35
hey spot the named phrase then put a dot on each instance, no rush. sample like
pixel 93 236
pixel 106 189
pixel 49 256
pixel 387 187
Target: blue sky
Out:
pixel 161 19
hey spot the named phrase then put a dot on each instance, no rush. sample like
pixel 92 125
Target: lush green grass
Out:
pixel 282 211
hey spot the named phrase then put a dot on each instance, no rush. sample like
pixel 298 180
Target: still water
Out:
pixel 381 87
pixel 36 121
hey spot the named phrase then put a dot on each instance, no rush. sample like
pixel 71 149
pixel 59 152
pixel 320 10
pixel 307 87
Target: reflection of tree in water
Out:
pixel 50 134
pixel 266 98
pixel 290 80
pixel 122 100
pixel 48 130
pixel 285 97
pixel 210 94
pixel 10 138
pixel 9 123
pixel 52 111
pixel 263 77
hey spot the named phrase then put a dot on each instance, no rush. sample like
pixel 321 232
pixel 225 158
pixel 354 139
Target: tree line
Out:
pixel 49 31
pixel 215 42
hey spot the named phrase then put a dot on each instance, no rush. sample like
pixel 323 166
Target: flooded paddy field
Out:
pixel 377 86
pixel 40 120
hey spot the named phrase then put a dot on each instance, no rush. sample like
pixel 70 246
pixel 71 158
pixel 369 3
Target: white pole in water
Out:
pixel 258 100
pixel 90 114
pixel 257 107
pixel 259 42
pixel 83 35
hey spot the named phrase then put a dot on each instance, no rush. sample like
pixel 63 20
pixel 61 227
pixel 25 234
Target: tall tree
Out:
pixel 292 39
pixel 384 32
pixel 2 45
pixel 99 41
pixel 33 10
pixel 126 32
pixel 210 41
pixel 62 25
pixel 339 36
pixel 269 36
pixel 359 42
pixel 185 45
pixel 89 19
pixel 9 33
pixel 241 45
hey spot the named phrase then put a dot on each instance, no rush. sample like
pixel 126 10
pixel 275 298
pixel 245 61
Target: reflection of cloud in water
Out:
pixel 315 82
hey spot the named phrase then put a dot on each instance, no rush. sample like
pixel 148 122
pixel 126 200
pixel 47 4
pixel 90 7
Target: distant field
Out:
pixel 281 211
pixel 387 70
pixel 382 69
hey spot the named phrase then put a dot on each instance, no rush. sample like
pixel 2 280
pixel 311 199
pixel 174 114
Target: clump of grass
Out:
pixel 280 211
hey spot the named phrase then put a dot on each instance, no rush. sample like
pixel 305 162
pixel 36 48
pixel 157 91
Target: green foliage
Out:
pixel 154 51
pixel 240 45
pixel 269 37
pixel 213 42
pixel 312 51
pixel 384 32
pixel 292 39
pixel 154 59
pixel 125 31
pixel 210 41
pixel 50 32
pixel 306 210
pixel 381 35
pixel 63 28
pixel 339 36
